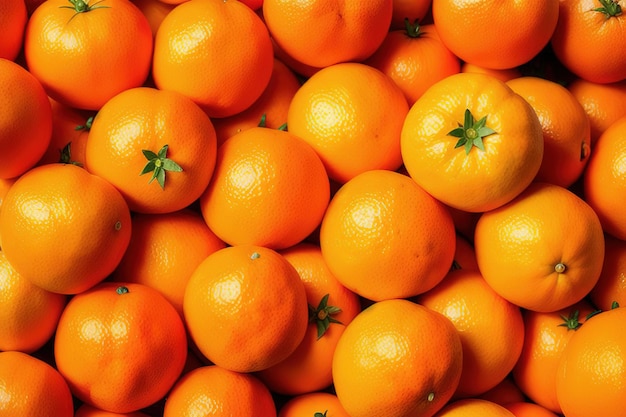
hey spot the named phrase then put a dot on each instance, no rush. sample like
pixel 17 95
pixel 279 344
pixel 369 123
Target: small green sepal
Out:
pixel 322 316
pixel 158 164
pixel 471 132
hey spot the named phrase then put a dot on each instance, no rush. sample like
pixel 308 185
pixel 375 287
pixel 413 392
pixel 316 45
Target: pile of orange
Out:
pixel 280 208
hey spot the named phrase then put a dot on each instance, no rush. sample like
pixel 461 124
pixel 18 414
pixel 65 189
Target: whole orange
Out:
pixel 120 346
pixel 109 43
pixel 397 358
pixel 64 229
pixel 13 19
pixel 313 404
pixel 228 63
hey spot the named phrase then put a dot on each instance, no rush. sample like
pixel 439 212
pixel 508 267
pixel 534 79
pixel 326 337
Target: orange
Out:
pixel 592 370
pixel 501 74
pixel 503 34
pixel 155 11
pixel 4 189
pixel 505 392
pixel 113 338
pixel 86 410
pixel 246 308
pixel 546 336
pixel 527 409
pixel 530 253
pixel 157 147
pixel 227 65
pixel 269 188
pixel 397 358
pixel 109 43
pixel 603 103
pixel 566 129
pixel 611 286
pixel 331 308
pixel 74 224
pixel 29 314
pixel 374 220
pixel 269 110
pixel 333 112
pixel 413 10
pixel 313 404
pixel 215 391
pixel 604 179
pixel 588 38
pixel 13 19
pixel 414 58
pixel 343 30
pixel 31 387
pixel 26 124
pixel 491 328
pixel 472 142
pixel 164 250
pixel 474 407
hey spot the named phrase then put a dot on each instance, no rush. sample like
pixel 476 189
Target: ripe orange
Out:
pixel 588 39
pixel 530 252
pixel 26 124
pixel 591 378
pixel 397 358
pixel 333 112
pixel 109 43
pixel 331 307
pixel 501 74
pixel 414 10
pixel 157 147
pixel 611 286
pixel 269 110
pixel 74 224
pixel 86 410
pixel 313 404
pixel 112 339
pixel 414 58
pixel 31 387
pixel 218 53
pixel 527 409
pixel 215 391
pixel 472 142
pixel 503 34
pixel 269 188
pixel 343 30
pixel 604 181
pixel 546 336
pixel 13 19
pixel 374 220
pixel 245 308
pixel 164 250
pixel 491 328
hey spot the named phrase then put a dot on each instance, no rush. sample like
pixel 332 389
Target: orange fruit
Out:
pixel 4 188
pixel 331 307
pixel 31 387
pixel 565 125
pixel 86 410
pixel 344 30
pixel 504 35
pixel 530 253
pixel 414 58
pixel 397 358
pixel 164 250
pixel 159 133
pixel 491 328
pixel 227 302
pixel 603 103
pixel 604 180
pixel 109 43
pixel 113 338
pixel 377 218
pixel 472 142
pixel 611 286
pixel 313 404
pixel 591 376
pixel 155 11
pixel 333 112
pixel 75 224
pixel 587 39
pixel 413 10
pixel 546 336
pixel 13 19
pixel 29 314
pixel 527 409
pixel 26 124
pixel 215 391
pixel 501 74
pixel 505 392
pixel 227 65
pixel 269 188
pixel 269 110
pixel 474 407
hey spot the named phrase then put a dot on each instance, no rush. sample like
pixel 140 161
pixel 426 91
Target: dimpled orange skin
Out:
pixel 474 407
pixel 13 19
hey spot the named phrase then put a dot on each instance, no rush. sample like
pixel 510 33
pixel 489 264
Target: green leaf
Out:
pixel 572 322
pixel 158 164
pixel 471 133
pixel 318 414
pixel 322 315
pixel 610 8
